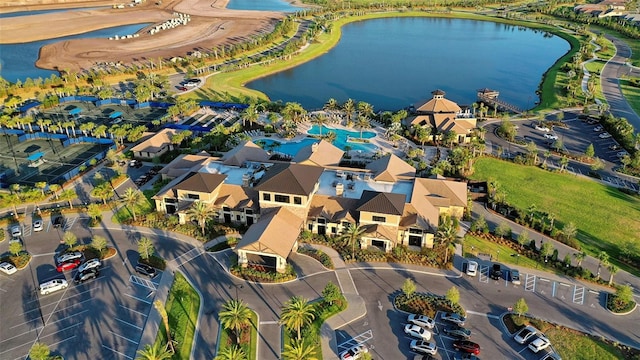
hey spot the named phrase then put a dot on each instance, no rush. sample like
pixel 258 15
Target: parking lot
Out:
pixel 102 318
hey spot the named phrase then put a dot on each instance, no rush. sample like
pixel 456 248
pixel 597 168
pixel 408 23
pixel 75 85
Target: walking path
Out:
pixel 610 76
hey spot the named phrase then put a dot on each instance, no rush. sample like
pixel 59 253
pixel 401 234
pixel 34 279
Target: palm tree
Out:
pixel 363 123
pixel 297 313
pixel 580 257
pixel 351 236
pixel 613 269
pixel 250 114
pixel 447 234
pixel 68 195
pixel 235 317
pixel 603 259
pixel 320 120
pixel 331 104
pixel 155 352
pixel 233 352
pixel 54 188
pixel 349 107
pixel 103 192
pixel 132 198
pixel 201 212
pixel 298 350
pixel 165 320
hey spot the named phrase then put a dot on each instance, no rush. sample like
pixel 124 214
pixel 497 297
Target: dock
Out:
pixel 490 97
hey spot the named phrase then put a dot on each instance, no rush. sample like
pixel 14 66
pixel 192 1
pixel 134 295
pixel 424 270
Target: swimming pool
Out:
pixel 292 148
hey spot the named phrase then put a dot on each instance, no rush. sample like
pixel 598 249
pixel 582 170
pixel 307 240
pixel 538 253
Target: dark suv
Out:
pixel 145 269
pixel 496 272
pixel 58 221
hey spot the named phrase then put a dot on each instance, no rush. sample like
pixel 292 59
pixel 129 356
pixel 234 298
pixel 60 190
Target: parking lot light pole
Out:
pixel 237 286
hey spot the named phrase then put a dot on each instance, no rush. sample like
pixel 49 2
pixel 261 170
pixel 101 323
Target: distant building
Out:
pixel 155 146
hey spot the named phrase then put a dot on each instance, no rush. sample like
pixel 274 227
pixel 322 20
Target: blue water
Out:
pixel 292 148
pixel 393 63
pixel 38 12
pixel 263 5
pixel 17 61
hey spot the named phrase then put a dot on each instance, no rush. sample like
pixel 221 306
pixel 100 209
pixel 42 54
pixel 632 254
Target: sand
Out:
pixel 211 25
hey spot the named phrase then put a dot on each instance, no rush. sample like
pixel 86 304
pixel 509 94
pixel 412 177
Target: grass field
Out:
pixel 250 349
pixel 632 94
pixel 474 245
pixel 605 217
pixel 182 308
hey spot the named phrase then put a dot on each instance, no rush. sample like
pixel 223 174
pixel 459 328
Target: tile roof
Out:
pixel 381 202
pixel 391 168
pixel 274 233
pixel 322 153
pixel 295 179
pixel 246 151
pixel 380 231
pixel 156 142
pixel 437 104
pixel 185 163
pixel 200 182
pixel 236 197
pixel 439 191
pixel 333 208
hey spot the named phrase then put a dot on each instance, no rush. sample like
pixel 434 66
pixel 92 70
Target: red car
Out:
pixel 70 265
pixel 467 346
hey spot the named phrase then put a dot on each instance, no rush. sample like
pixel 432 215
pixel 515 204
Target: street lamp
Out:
pixel 237 286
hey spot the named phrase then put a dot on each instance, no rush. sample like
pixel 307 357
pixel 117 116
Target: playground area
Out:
pixel 52 160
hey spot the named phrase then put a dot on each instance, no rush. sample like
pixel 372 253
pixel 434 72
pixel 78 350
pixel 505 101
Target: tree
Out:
pixel 351 236
pixel 154 352
pixel 331 293
pixel 564 161
pixel 503 230
pixel 41 185
pixel 520 307
pixel 580 256
pixel 15 248
pixel 546 249
pixel 201 212
pixel 145 248
pixel 523 238
pixel 233 352
pixel 94 211
pixel 299 350
pixel 99 243
pixel 70 239
pixel 613 269
pixel 165 320
pixel 297 313
pixel 624 294
pixel 132 198
pixel 39 351
pixel 590 151
pixel 453 295
pixel 235 316
pixel 69 195
pixel 320 119
pixel 408 287
pixel 603 260
pixel 362 124
pixel 569 231
pixel 447 234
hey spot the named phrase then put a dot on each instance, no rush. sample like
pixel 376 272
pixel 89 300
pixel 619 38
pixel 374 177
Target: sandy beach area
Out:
pixel 211 25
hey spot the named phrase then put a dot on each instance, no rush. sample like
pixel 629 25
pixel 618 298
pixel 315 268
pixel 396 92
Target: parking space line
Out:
pixel 26 332
pixel 530 282
pixel 142 282
pixel 128 323
pixel 484 274
pixel 365 336
pixel 134 311
pixel 122 337
pixel 137 298
pixel 578 294
pixel 117 352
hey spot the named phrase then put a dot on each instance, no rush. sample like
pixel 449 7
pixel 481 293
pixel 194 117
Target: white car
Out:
pixel 598 128
pixel 417 332
pixel 540 343
pixel 454 318
pixel 542 128
pixel 38 225
pixel 526 333
pixel 421 320
pixel 551 136
pixel 16 231
pixel 354 353
pixel 89 264
pixel 62 258
pixel 622 154
pixel 423 347
pixel 604 135
pixel 7 268
pixel 472 268
pixel 53 285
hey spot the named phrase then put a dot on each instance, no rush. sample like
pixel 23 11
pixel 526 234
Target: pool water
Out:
pixel 292 148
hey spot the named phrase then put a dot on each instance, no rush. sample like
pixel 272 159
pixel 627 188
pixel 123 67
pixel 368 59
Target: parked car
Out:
pixel 53 285
pixel 614 147
pixel 192 82
pixel 454 318
pixel 525 334
pixel 7 268
pixel 421 320
pixel 465 357
pixel 90 264
pixel 458 332
pixel 417 332
pixel 182 88
pixel 622 154
pixel 604 135
pixel 16 231
pixel 69 265
pixel 354 353
pixel 82 276
pixel 542 128
pixel 539 343
pixel 514 276
pixel 58 221
pixel 496 272
pixel 467 346
pixel 423 347
pixel 598 128
pixel 38 225
pixel 135 163
pixel 472 268
pixel 551 356
pixel 551 136
pixel 145 269
pixel 69 256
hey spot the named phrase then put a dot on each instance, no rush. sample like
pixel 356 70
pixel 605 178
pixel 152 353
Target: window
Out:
pixel 193 196
pixel 226 209
pixel 415 231
pixel 170 200
pixel 237 217
pixel 281 198
pixel 297 200
pixel 379 219
pixel 345 224
pixel 248 211
pixel 266 197
pixel 334 230
pixel 310 227
pixel 321 220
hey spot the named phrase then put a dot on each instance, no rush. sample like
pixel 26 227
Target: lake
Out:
pixel 262 5
pixel 395 62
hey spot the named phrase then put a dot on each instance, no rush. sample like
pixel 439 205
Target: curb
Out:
pixel 619 314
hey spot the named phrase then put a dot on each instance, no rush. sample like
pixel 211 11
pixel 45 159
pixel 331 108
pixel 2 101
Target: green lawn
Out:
pixel 182 308
pixel 249 349
pixel 632 94
pixel 123 214
pixel 605 217
pixel 474 245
